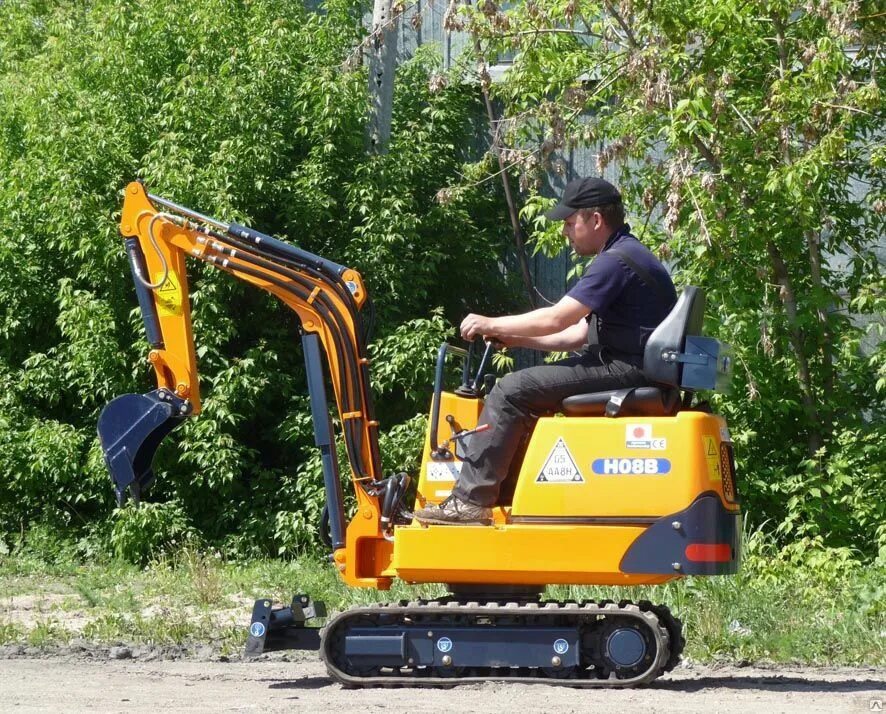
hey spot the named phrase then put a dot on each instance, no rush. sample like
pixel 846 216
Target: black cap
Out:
pixel 584 193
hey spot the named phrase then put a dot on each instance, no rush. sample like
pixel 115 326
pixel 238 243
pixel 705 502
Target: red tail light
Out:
pixel 709 552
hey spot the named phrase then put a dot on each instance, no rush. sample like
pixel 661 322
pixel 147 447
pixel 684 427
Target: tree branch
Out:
pixel 706 152
pixel 813 241
pixel 519 240
pixel 782 73
pixel 551 31
pixel 624 26
pixel 795 337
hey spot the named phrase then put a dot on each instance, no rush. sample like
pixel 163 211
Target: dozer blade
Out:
pixel 130 429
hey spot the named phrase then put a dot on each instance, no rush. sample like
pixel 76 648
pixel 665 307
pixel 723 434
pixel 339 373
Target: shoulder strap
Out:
pixel 644 275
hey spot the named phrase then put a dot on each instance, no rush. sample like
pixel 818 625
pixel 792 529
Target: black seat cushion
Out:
pixel 643 401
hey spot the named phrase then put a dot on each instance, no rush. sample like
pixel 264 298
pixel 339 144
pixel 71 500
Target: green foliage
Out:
pixel 747 141
pixel 744 137
pixel 140 533
pixel 840 492
pixel 401 446
pixel 403 361
pixel 242 111
pixel 47 632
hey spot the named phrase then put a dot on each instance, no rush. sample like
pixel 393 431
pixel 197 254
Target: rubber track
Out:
pixel 658 618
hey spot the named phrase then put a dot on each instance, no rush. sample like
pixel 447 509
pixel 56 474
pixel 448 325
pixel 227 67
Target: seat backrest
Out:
pixel 684 319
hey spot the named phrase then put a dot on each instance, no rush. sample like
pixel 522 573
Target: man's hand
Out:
pixel 474 325
pixel 503 341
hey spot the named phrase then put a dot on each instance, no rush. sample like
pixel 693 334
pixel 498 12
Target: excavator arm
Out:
pixel 159 235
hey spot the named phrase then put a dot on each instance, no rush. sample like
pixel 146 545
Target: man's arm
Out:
pixel 546 321
pixel 569 340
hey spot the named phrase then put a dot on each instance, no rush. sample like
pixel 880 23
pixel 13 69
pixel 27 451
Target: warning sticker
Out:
pixel 444 470
pixel 712 456
pixel 168 295
pixel 560 466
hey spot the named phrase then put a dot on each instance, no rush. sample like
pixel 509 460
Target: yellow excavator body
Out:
pixel 587 488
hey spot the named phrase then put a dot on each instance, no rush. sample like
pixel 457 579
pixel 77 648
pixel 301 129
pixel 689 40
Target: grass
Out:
pixel 47 632
pixel 803 604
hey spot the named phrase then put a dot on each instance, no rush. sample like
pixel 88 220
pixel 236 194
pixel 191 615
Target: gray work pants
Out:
pixel 514 405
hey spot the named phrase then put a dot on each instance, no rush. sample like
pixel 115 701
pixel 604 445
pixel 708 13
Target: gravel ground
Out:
pixel 130 680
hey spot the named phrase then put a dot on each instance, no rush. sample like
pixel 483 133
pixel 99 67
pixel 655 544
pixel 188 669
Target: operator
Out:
pixel 611 310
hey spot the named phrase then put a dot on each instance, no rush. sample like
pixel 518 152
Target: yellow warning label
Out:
pixel 712 456
pixel 168 296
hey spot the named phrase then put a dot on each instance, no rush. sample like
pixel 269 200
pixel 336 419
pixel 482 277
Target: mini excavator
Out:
pixel 622 488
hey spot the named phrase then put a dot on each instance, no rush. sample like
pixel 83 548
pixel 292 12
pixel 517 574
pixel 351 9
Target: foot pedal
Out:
pixel 284 628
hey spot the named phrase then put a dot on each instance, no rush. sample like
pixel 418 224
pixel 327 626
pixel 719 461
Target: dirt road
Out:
pixel 71 684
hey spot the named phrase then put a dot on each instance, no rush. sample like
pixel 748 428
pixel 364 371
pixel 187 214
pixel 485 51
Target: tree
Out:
pixel 747 140
pixel 245 112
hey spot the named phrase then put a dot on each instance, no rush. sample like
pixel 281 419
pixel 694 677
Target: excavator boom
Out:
pixel 327 298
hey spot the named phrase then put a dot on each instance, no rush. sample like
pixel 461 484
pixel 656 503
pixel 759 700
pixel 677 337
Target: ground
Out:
pixel 168 636
pixel 91 680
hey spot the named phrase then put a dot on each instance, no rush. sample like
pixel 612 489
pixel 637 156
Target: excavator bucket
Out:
pixel 130 429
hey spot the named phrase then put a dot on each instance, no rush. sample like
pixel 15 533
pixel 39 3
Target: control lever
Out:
pixel 490 347
pixel 442 452
pixel 462 434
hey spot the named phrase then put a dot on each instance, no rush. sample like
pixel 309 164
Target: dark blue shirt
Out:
pixel 627 309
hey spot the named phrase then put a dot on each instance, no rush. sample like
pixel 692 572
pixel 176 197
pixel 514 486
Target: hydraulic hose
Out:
pixel 348 377
pixel 335 282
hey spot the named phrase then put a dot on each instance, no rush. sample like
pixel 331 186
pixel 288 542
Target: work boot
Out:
pixel 455 512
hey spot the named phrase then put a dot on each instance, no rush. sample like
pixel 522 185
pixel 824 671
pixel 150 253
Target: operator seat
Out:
pixel 662 397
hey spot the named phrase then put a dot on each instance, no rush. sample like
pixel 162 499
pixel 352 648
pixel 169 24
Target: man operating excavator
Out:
pixel 611 311
pixel 599 498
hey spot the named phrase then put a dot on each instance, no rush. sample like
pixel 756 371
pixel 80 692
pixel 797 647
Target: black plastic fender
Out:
pixel 703 539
